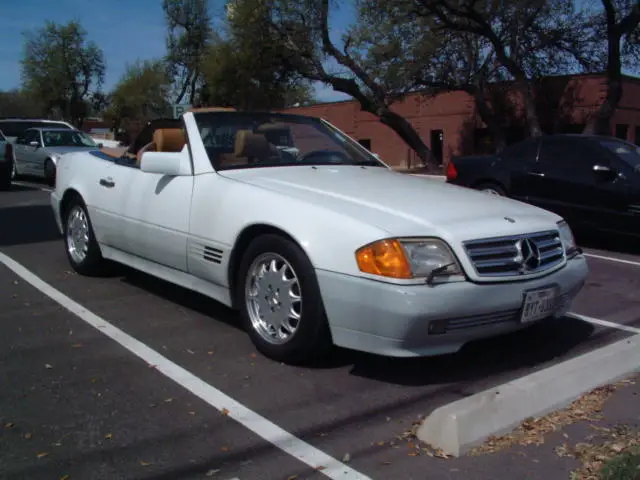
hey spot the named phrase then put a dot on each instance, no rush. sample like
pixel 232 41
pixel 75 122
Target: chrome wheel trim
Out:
pixel 77 234
pixel 491 191
pixel 273 298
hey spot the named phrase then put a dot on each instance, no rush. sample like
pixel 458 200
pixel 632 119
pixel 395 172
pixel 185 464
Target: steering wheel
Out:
pixel 344 159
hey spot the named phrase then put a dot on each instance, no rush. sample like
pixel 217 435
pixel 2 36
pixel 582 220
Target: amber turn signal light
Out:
pixel 384 258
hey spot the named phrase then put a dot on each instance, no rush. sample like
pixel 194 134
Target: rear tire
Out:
pixel 5 179
pixel 50 172
pixel 281 307
pixel 80 242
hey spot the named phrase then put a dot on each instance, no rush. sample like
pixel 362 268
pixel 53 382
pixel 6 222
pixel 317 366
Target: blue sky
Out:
pixel 125 30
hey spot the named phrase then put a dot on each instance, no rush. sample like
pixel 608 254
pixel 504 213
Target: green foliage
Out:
pixel 18 103
pixel 252 68
pixel 141 94
pixel 625 466
pixel 61 68
pixel 189 35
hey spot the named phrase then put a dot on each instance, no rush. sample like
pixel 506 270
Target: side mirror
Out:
pixel 34 143
pixel 165 163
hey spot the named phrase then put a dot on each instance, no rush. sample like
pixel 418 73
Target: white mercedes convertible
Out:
pixel 313 239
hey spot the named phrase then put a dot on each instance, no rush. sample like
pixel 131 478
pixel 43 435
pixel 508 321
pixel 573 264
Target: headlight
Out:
pixel 408 258
pixel 566 236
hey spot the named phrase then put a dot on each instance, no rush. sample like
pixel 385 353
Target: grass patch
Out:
pixel 625 466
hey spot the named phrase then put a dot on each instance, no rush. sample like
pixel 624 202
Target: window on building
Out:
pixel 365 142
pixel 621 131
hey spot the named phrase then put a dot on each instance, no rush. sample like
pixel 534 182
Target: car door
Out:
pixel 519 160
pixel 23 152
pixel 618 174
pixel 564 181
pixel 156 217
pixel 31 151
pixel 107 183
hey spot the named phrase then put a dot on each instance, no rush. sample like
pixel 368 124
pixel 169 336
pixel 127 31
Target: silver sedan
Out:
pixel 37 150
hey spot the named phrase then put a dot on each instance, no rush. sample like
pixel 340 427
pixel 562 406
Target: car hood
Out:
pixel 401 204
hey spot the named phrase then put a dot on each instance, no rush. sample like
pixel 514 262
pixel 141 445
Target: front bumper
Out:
pixel 398 320
pixel 55 205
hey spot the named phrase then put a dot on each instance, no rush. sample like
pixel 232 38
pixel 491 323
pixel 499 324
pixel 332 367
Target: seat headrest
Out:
pixel 249 144
pixel 169 139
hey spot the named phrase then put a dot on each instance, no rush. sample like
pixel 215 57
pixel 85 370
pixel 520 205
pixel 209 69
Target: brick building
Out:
pixel 449 124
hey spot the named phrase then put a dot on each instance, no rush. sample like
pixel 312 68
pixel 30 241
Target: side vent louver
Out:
pixel 212 254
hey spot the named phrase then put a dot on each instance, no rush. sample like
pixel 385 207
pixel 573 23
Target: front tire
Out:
pixel 280 302
pixel 80 242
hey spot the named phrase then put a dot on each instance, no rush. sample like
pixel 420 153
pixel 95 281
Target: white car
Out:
pixel 330 248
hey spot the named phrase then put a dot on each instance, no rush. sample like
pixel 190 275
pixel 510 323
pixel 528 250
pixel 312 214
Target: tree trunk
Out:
pixel 530 113
pixel 489 119
pixel 408 133
pixel 600 124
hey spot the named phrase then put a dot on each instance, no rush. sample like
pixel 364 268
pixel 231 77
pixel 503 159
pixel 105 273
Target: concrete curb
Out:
pixel 461 425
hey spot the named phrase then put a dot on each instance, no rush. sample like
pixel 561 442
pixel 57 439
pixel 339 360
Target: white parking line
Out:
pixel 272 433
pixel 32 185
pixel 604 323
pixel 612 259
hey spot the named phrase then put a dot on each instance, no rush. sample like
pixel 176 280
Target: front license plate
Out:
pixel 538 304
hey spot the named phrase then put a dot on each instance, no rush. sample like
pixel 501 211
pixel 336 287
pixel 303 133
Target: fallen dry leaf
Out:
pixel 28 436
pixel 346 458
pixel 212 472
pixel 533 430
pixel 64 477
pixel 76 345
pixel 47 366
pixel 224 411
pixel 224 449
pixel 8 425
pixel 321 468
pixel 144 464
pixel 108 436
pixel 42 454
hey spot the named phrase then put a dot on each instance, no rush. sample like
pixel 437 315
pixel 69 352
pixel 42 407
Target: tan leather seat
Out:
pixel 251 145
pixel 169 139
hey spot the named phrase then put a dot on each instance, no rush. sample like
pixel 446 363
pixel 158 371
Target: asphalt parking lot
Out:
pixel 75 403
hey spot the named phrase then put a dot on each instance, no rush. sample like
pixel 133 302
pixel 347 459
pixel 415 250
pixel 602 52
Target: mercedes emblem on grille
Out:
pixel 528 254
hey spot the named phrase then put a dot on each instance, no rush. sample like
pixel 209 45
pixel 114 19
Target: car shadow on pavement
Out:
pixel 180 296
pixel 27 224
pixel 526 349
pixel 542 343
pixel 608 242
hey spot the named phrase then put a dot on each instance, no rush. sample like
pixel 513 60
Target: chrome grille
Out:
pixel 515 255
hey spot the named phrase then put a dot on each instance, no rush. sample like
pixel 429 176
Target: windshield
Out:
pixel 627 152
pixel 66 138
pixel 248 140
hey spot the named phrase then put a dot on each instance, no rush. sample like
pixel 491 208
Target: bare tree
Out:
pixel 618 25
pixel 189 33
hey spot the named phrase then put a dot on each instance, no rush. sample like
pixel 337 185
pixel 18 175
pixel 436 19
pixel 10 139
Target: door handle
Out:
pixel 537 174
pixel 107 182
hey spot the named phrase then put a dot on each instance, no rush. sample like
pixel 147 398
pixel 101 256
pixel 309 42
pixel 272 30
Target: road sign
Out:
pixel 180 109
